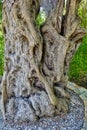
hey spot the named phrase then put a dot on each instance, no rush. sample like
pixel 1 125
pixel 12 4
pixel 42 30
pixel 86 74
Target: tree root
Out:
pixel 48 88
pixel 62 92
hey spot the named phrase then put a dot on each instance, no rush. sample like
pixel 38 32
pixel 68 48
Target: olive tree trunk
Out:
pixel 37 60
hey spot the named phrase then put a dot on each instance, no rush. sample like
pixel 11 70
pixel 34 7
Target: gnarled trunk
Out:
pixel 37 61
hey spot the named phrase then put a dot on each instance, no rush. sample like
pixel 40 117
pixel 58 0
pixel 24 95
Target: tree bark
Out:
pixel 37 61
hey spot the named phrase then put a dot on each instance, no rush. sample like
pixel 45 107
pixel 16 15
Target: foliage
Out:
pixel 82 11
pixel 40 18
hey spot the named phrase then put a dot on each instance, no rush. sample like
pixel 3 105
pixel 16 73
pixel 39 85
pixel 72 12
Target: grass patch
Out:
pixel 78 66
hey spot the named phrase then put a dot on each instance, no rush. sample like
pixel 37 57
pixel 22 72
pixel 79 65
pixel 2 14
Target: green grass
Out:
pixel 78 66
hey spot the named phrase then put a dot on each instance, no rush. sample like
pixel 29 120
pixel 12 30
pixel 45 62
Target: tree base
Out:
pixel 34 107
pixel 72 120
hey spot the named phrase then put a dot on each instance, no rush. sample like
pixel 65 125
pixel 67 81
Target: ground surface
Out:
pixel 74 120
pixel 83 95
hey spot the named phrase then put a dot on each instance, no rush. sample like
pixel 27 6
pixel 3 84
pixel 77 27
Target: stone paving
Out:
pixel 83 94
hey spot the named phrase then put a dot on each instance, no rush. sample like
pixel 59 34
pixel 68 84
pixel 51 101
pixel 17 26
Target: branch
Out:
pixel 71 19
pixel 58 16
pixel 78 35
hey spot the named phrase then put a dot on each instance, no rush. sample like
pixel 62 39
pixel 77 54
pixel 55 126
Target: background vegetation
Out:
pixel 78 67
pixel 1 44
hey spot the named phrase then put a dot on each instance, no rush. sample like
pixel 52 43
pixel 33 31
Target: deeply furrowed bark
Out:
pixel 37 61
